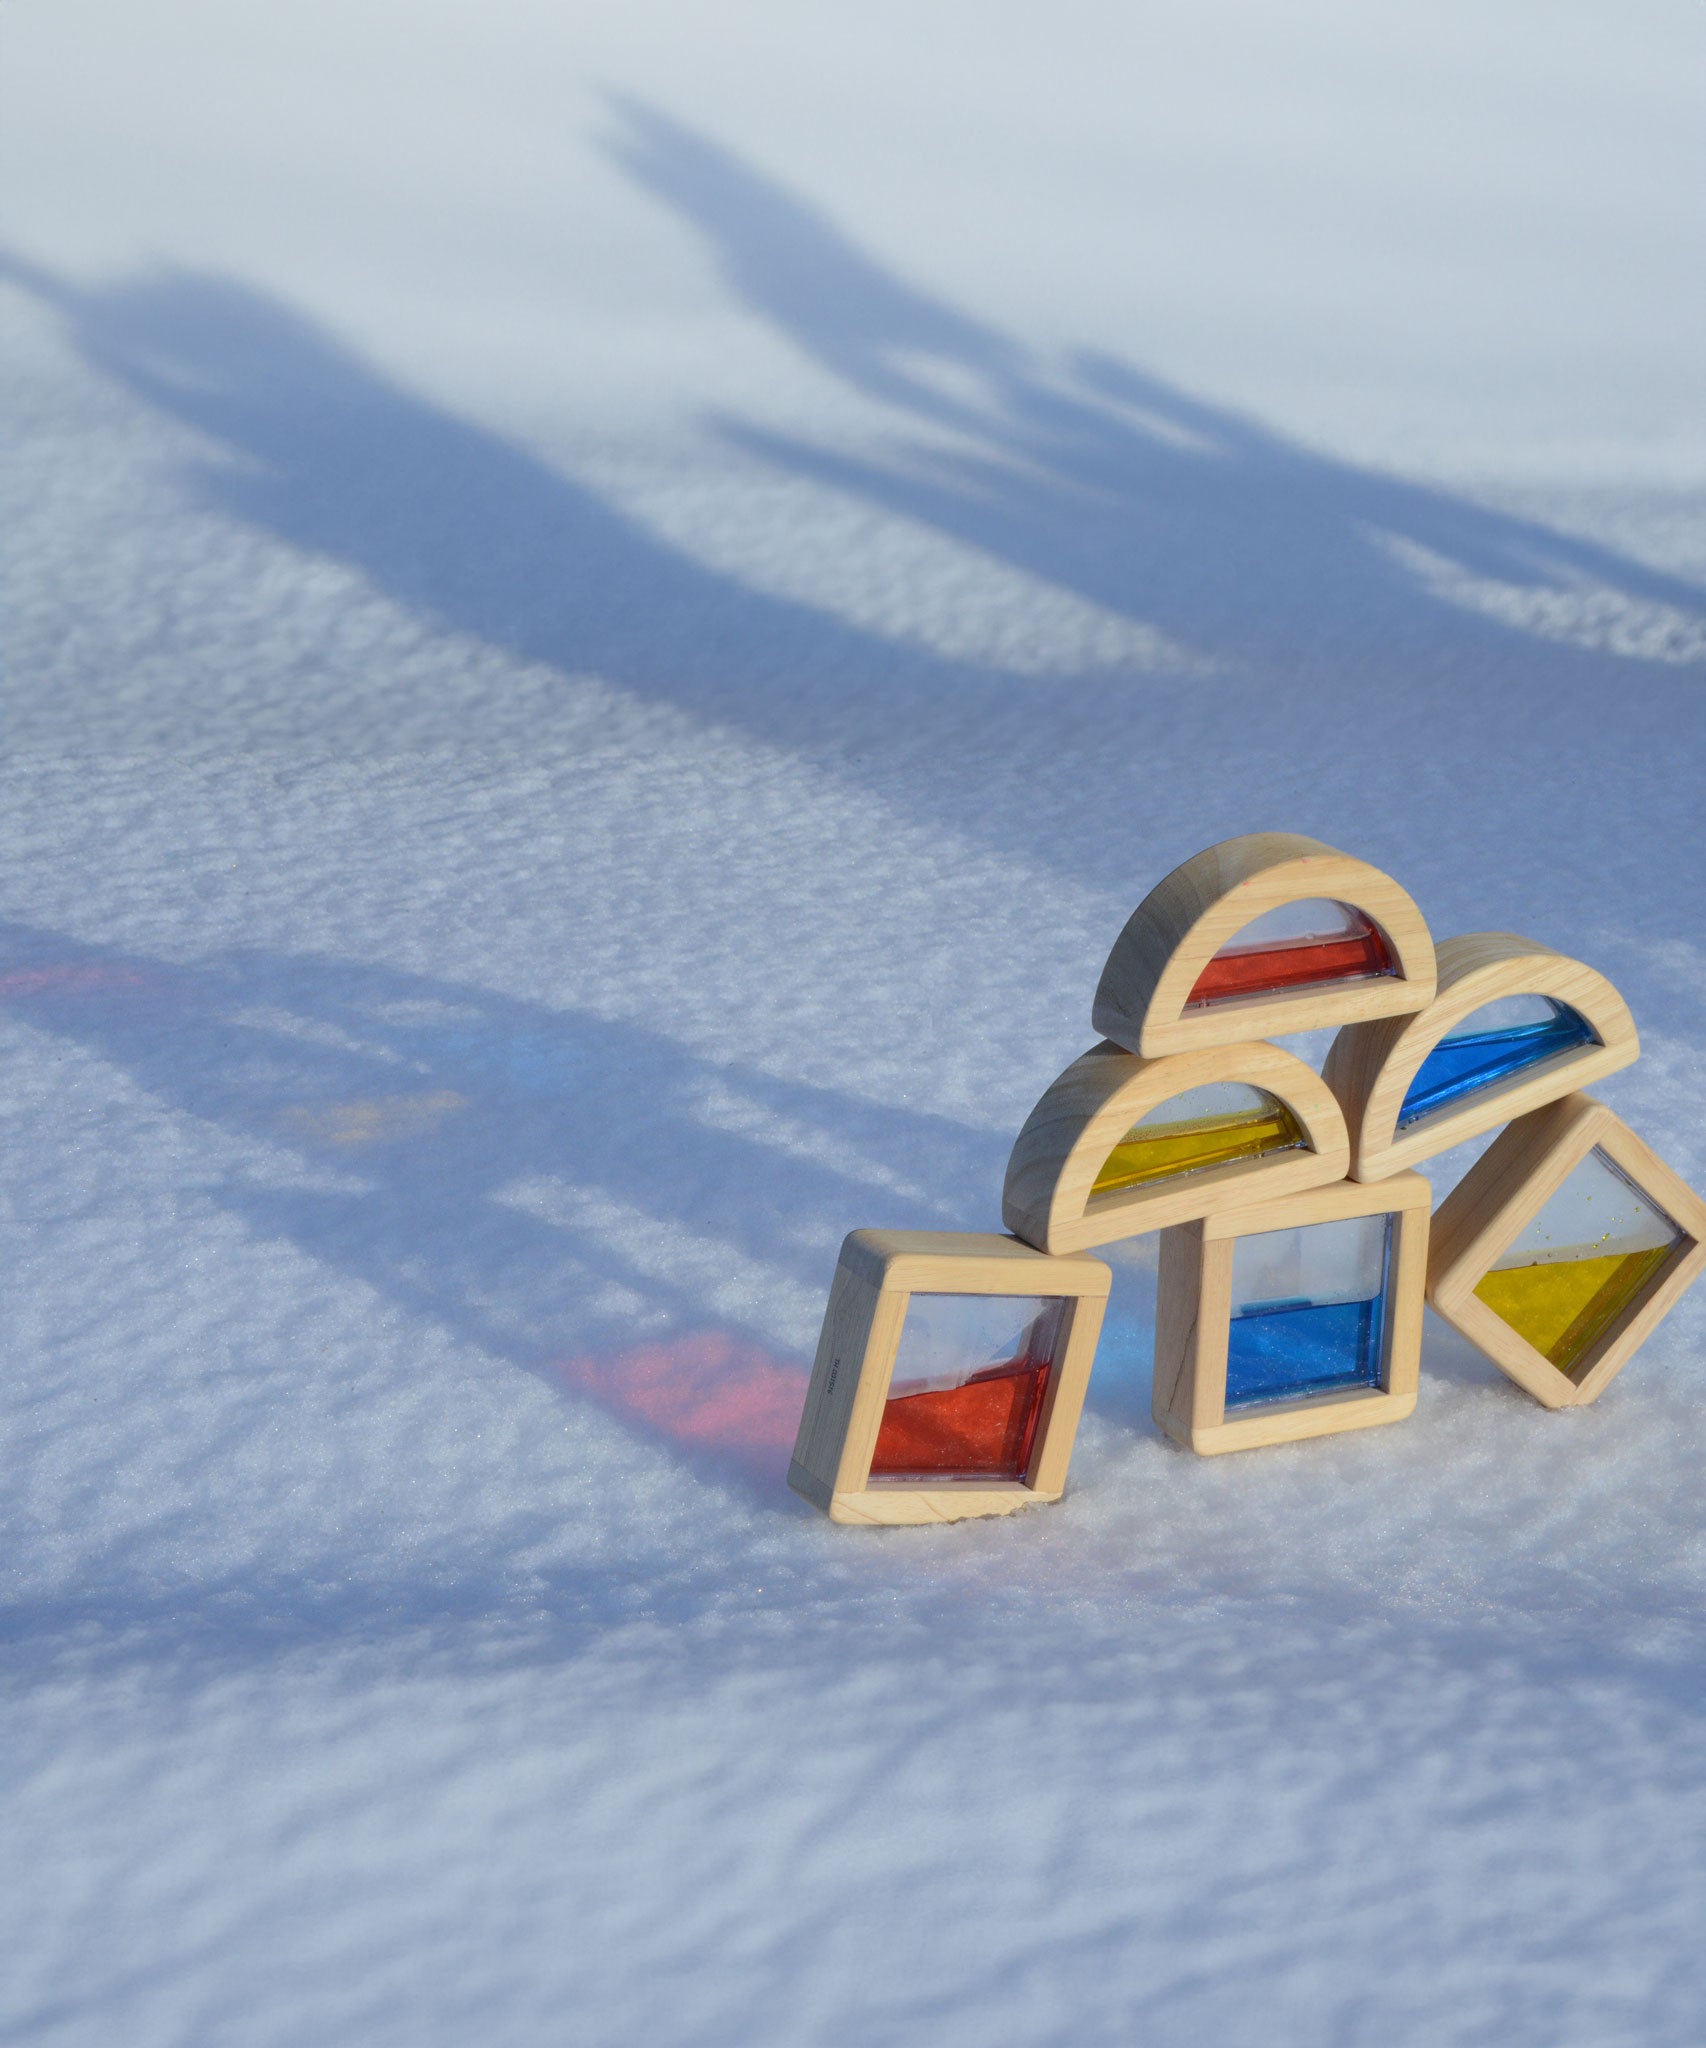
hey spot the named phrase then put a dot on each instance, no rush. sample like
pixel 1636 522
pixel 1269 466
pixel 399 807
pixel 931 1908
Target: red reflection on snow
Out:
pixel 73 978
pixel 707 1390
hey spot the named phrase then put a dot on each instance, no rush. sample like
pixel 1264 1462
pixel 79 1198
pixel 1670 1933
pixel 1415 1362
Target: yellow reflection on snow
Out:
pixel 381 1121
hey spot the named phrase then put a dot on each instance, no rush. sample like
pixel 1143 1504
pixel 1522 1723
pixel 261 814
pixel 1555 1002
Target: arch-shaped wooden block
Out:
pixel 1049 1198
pixel 1371 1066
pixel 1144 1001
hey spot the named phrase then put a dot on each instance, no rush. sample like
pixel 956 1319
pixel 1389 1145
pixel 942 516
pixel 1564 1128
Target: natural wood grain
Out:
pixel 878 1273
pixel 1370 1066
pixel 1401 1194
pixel 1206 1394
pixel 1290 1422
pixel 1500 1196
pixel 1401 1369
pixel 1088 1109
pixel 841 1345
pixel 1063 1401
pixel 1178 1301
pixel 1193 1315
pixel 898 1506
pixel 1185 920
pixel 954 1262
pixel 865 1413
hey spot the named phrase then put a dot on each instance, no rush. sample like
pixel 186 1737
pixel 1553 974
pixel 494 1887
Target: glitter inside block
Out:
pixel 1494 1043
pixel 968 1387
pixel 1298 946
pixel 1583 1265
pixel 1213 1125
pixel 1308 1310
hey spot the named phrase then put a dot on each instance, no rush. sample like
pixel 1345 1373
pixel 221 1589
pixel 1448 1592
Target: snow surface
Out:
pixel 608 608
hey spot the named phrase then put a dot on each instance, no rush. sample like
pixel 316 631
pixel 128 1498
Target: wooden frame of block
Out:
pixel 878 1273
pixel 1370 1066
pixel 1173 934
pixel 1500 1196
pixel 1083 1115
pixel 1194 1307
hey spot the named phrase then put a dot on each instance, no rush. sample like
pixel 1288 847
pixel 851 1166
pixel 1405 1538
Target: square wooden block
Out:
pixel 1563 1247
pixel 949 1377
pixel 1292 1318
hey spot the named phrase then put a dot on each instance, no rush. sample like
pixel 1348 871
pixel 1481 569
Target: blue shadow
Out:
pixel 1259 557
pixel 427 1109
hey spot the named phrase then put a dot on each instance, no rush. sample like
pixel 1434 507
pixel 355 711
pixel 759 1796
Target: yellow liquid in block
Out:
pixel 1561 1308
pixel 1158 1151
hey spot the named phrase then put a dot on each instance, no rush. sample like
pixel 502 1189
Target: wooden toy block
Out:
pixel 1119 1144
pixel 1512 1025
pixel 1292 1318
pixel 1259 936
pixel 949 1377
pixel 1562 1249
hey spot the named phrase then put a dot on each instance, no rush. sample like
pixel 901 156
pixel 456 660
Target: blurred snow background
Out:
pixel 607 609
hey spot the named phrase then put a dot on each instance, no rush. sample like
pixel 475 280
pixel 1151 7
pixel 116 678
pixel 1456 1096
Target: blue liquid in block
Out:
pixel 1282 1350
pixel 1458 1066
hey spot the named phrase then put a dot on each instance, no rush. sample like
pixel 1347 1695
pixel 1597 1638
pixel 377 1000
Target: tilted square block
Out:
pixel 949 1377
pixel 1292 1318
pixel 1563 1247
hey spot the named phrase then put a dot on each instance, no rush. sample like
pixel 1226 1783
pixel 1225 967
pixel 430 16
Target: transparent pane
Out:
pixel 1300 924
pixel 1507 1013
pixel 1584 1263
pixel 1208 1126
pixel 1213 1099
pixel 948 1339
pixel 1491 1045
pixel 1314 1264
pixel 968 1385
pixel 1295 946
pixel 1308 1310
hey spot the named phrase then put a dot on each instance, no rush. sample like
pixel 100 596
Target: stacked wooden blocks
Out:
pixel 1294 1253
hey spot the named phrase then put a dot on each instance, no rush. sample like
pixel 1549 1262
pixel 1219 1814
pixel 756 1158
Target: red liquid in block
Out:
pixel 982 1429
pixel 1292 964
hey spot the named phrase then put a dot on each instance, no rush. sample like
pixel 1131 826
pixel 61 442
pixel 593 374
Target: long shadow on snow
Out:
pixel 1240 547
pixel 1384 697
pixel 1219 530
pixel 441 1101
pixel 582 1199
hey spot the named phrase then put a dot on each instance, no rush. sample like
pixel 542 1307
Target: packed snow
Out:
pixel 607 610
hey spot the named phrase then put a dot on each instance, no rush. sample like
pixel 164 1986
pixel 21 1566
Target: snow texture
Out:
pixel 607 610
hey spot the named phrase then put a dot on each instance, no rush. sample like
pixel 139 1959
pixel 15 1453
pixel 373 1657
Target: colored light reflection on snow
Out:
pixel 1294 947
pixel 380 1120
pixel 69 978
pixel 706 1390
